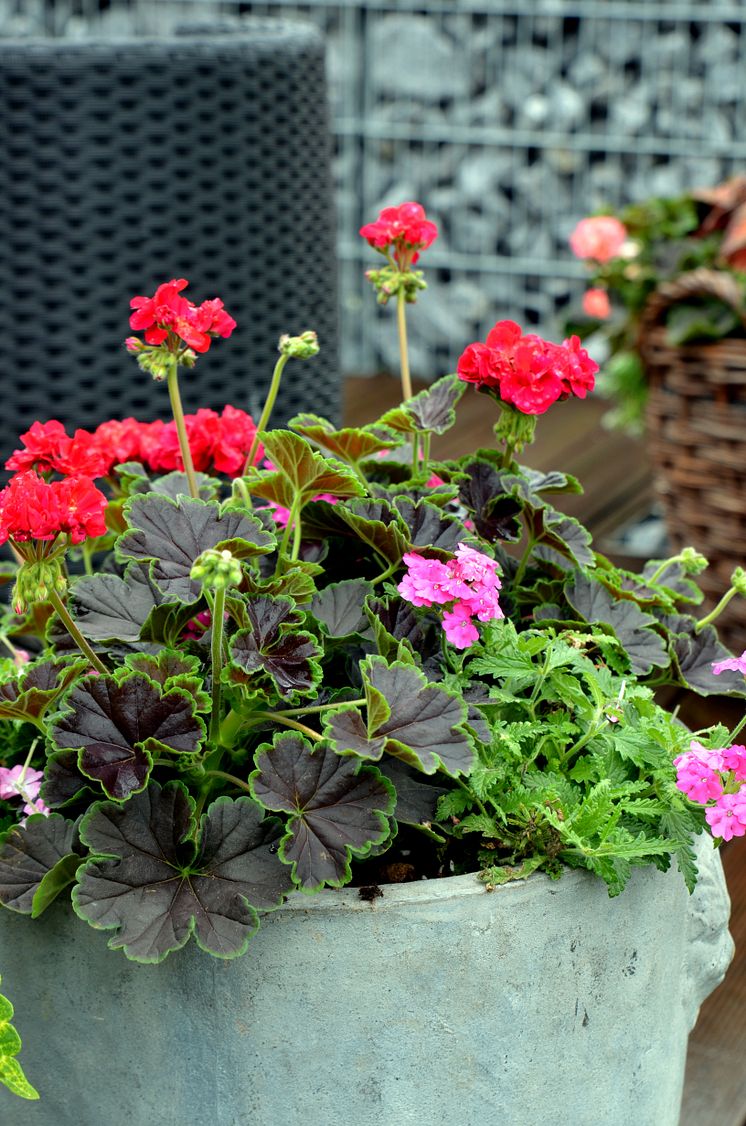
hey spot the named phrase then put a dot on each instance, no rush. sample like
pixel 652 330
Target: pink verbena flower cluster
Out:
pixel 526 371
pixel 467 584
pixel 717 777
pixel 23 782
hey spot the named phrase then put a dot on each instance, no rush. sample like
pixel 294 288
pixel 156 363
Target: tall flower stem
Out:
pixel 178 412
pixel 216 657
pixel 267 409
pixel 713 614
pixel 75 633
pixel 401 318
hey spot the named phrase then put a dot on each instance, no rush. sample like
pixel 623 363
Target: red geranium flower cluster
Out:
pixel 34 509
pixel 167 312
pixel 404 230
pixel 219 442
pixel 526 371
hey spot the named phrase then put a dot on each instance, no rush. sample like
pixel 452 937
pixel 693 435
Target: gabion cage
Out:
pixel 509 120
pixel 127 163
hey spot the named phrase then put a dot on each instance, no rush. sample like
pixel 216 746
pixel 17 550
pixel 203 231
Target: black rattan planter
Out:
pixel 126 163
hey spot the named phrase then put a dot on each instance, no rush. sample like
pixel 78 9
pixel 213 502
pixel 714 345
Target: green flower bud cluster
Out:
pixel 159 361
pixel 388 282
pixel 36 581
pixel 299 347
pixel 738 580
pixel 693 562
pixel 217 570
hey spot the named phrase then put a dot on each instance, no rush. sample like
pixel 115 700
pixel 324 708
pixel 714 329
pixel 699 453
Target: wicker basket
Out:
pixel 696 423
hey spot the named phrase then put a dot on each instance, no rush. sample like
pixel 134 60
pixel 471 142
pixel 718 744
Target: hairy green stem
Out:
pixel 216 658
pixel 426 439
pixel 385 574
pixel 401 318
pixel 319 708
pixel 289 723
pixel 75 634
pixel 178 412
pixel 269 403
pixel 229 778
pixel 709 618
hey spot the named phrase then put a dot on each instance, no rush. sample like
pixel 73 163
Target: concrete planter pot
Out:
pixel 540 1003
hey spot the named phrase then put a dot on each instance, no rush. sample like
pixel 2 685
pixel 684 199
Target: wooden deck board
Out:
pixel 615 473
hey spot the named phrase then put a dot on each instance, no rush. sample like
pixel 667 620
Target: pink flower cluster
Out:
pixel 526 371
pixel 599 237
pixel 168 314
pixel 404 230
pixel 23 782
pixel 735 664
pixel 469 583
pixel 714 776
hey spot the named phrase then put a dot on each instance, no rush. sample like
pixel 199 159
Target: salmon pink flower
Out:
pixel 599 238
pixel 596 303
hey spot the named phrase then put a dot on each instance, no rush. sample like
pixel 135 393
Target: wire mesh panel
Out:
pixel 509 120
pixel 126 164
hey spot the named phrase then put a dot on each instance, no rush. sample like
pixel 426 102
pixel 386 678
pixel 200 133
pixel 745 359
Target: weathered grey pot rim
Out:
pixel 445 888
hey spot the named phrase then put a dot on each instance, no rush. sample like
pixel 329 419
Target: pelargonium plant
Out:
pixel 631 253
pixel 301 657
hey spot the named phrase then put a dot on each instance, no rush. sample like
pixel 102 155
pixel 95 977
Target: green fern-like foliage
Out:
pixel 11 1072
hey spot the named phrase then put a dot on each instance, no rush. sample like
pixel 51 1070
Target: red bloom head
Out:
pixel 404 230
pixel 169 317
pixel 218 443
pixel 526 371
pixel 34 509
pixel 48 448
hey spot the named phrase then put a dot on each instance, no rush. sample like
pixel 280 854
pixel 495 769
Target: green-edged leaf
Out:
pixel 339 607
pixel 306 471
pixel 171 534
pixel 395 621
pixel 110 608
pixel 566 536
pixel 274 645
pixel 643 646
pixel 338 808
pixel 695 655
pixel 62 779
pixel 29 696
pixel 116 724
pixel 31 853
pixel 416 801
pixel 351 445
pixel 422 724
pixel 11 1072
pixel 432 409
pixel 551 482
pixel 430 528
pixel 150 884
pixel 496 516
pixel 170 668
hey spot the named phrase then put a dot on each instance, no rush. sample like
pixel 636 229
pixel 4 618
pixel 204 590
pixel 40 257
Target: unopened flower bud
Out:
pixel 299 347
pixel 217 570
pixel 36 581
pixel 693 562
pixel 738 580
pixel 134 345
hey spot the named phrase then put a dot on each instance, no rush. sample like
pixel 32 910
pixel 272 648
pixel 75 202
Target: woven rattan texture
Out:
pixel 697 434
pixel 125 164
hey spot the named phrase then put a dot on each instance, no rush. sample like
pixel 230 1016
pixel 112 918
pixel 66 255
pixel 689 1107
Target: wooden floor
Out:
pixel 615 472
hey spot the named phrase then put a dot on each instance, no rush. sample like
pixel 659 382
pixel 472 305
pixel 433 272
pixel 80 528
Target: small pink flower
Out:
pixel 459 628
pixel 697 778
pixel 599 237
pixel 36 806
pixel 596 304
pixel 736 664
pixel 20 781
pixel 734 759
pixel 434 481
pixel 727 818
